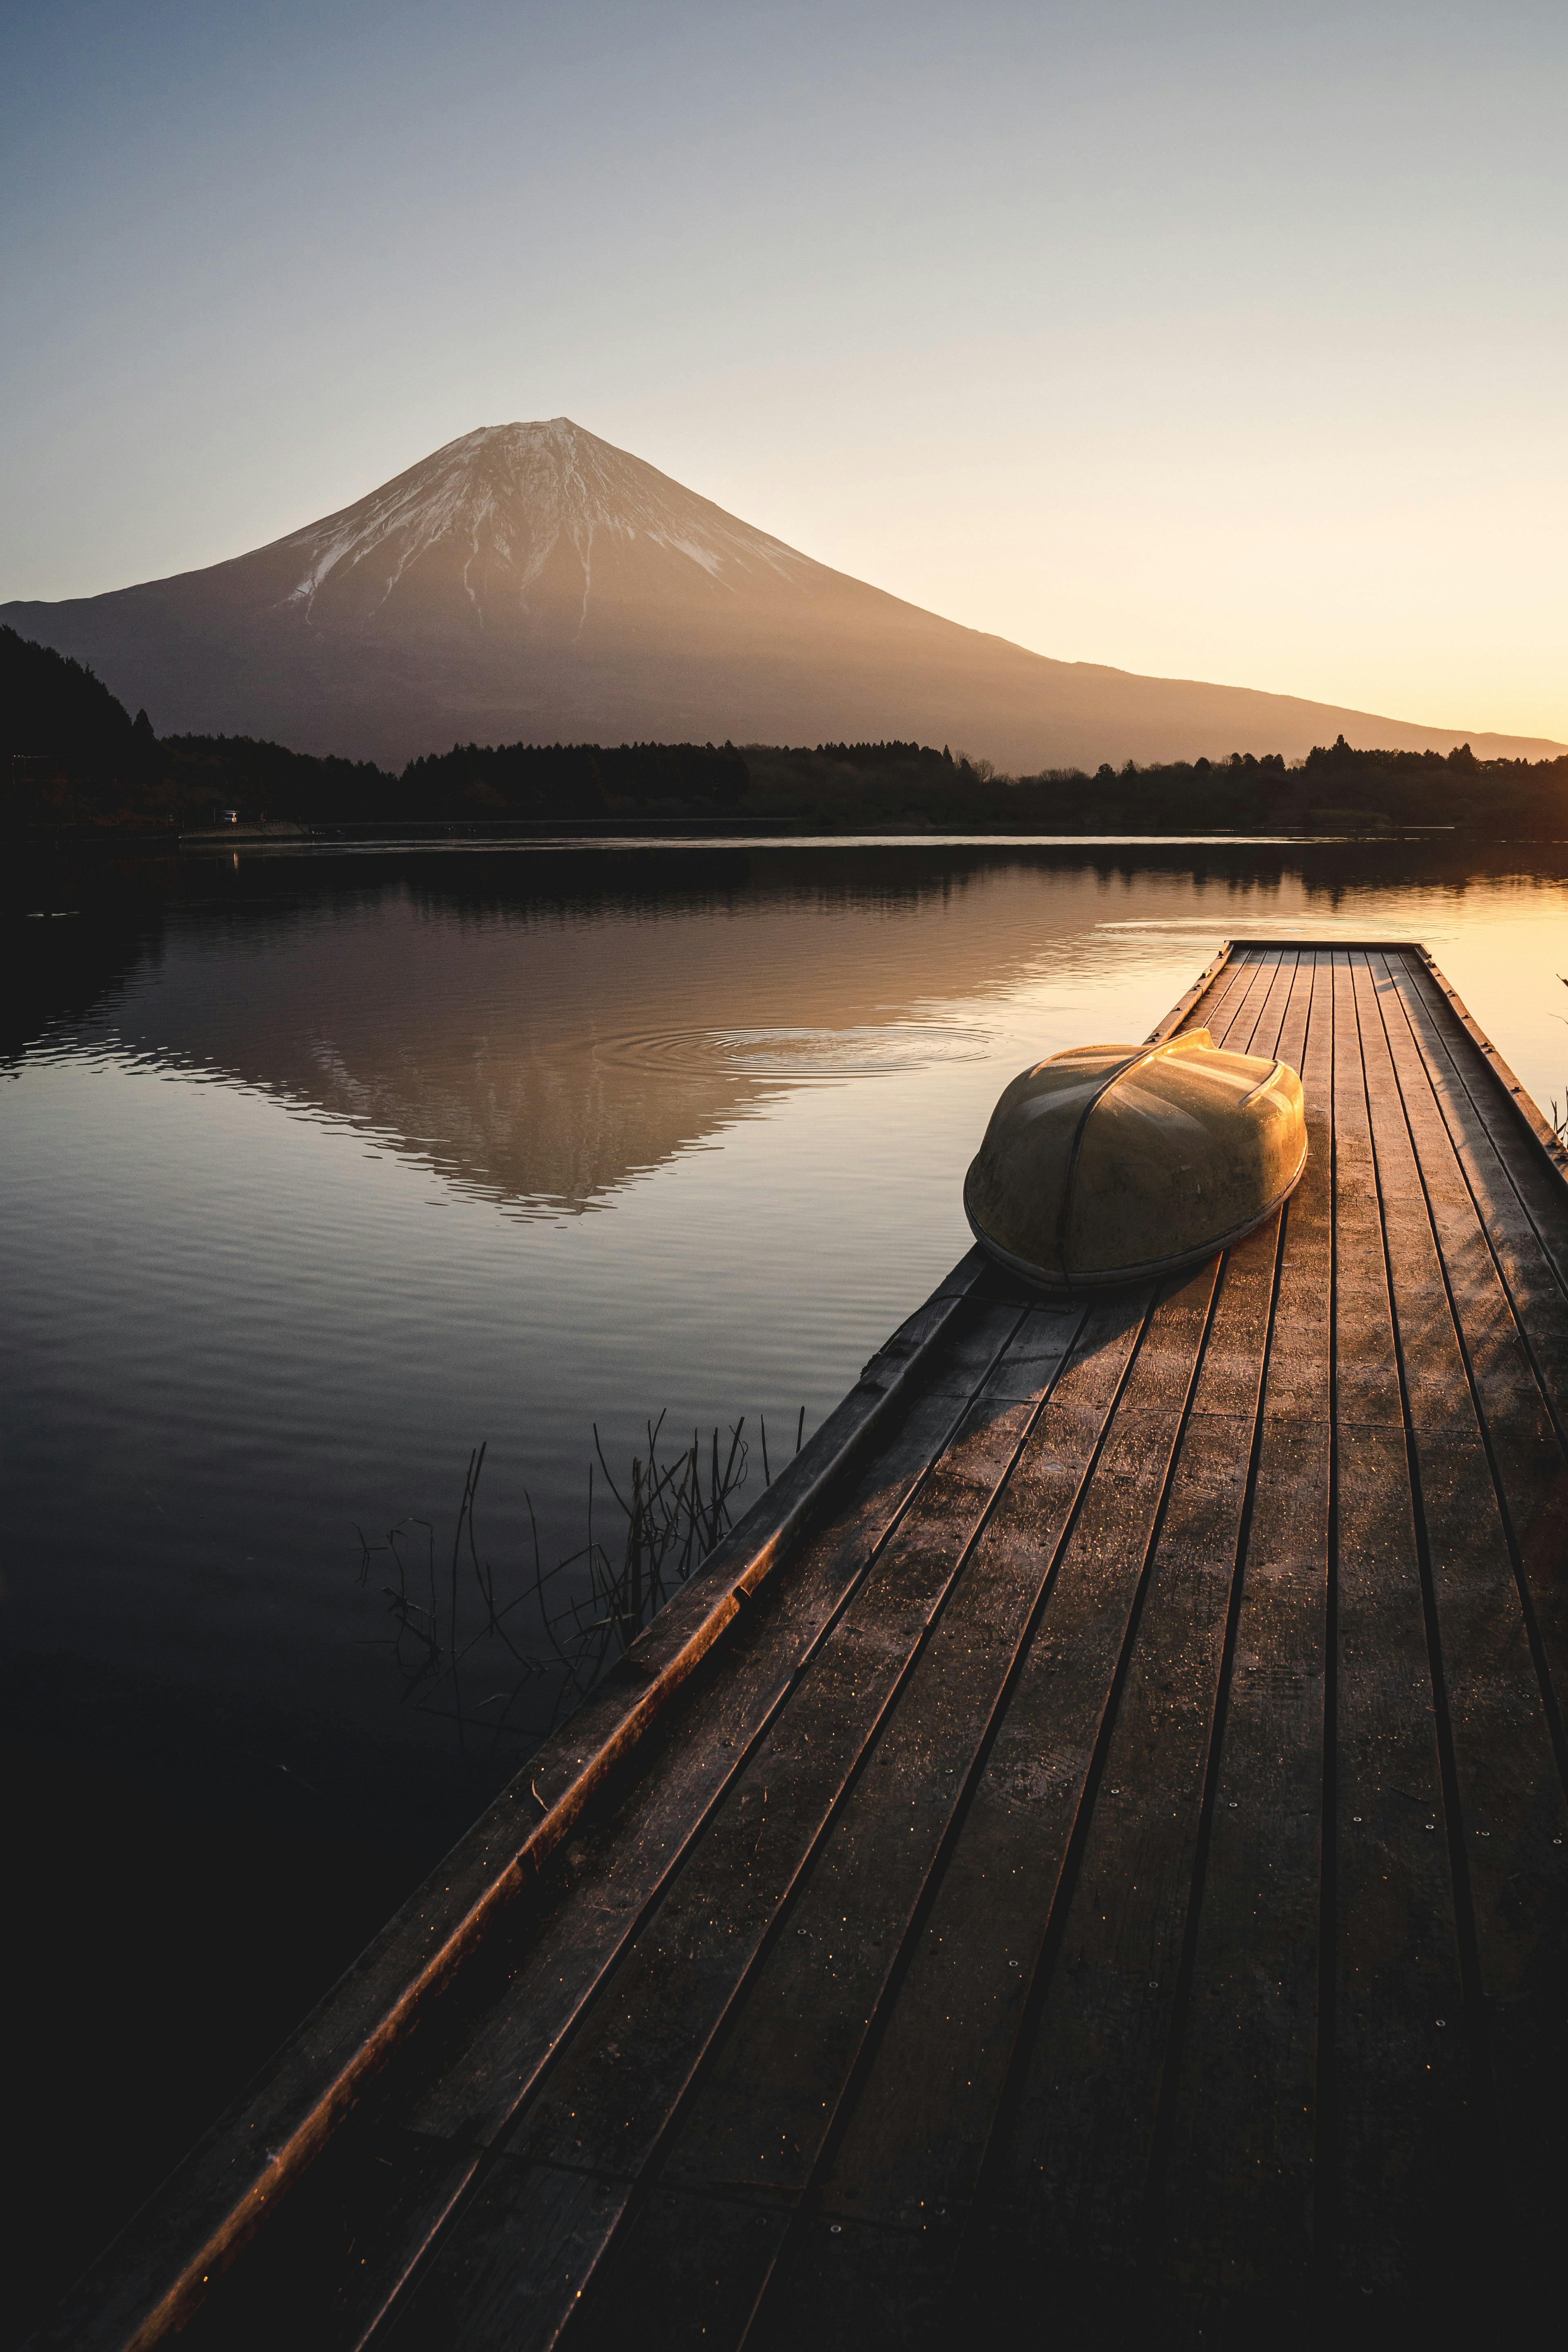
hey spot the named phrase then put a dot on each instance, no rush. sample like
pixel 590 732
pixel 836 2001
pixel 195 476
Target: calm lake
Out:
pixel 318 1170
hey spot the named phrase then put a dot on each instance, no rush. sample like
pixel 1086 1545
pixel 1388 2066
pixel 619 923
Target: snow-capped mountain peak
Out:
pixel 535 514
pixel 529 582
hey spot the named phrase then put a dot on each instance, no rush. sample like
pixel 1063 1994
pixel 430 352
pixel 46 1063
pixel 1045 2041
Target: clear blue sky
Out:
pixel 1213 340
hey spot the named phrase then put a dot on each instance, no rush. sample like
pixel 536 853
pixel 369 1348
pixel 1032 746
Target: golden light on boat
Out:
pixel 1110 1163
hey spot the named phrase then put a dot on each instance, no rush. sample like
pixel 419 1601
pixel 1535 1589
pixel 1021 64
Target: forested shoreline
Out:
pixel 72 756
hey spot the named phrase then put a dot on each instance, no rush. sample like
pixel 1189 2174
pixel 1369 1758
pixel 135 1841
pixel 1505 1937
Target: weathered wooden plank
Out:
pixel 851 2282
pixel 974 1348
pixel 1034 1354
pixel 1235 1022
pixel 1526 1443
pixel 713 2253
pixel 1220 1002
pixel 548 1964
pixel 629 1858
pixel 1211 1006
pixel 1494 1169
pixel 921 2119
pixel 1244 1010
pixel 1295 1028
pixel 916 1785
pixel 1521 1187
pixel 721 1906
pixel 1519 1117
pixel 824 1996
pixel 1264 1036
pixel 1514 1329
pixel 478 2292
pixel 1208 990
pixel 1076 2158
pixel 1510 1793
pixel 612 2099
pixel 1396 2094
pixel 1235 2197
pixel 370 2204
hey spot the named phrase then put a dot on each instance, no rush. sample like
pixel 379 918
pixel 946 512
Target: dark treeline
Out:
pixel 71 756
pixel 575 780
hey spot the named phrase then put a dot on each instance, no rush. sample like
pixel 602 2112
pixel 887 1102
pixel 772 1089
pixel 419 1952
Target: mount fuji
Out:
pixel 531 583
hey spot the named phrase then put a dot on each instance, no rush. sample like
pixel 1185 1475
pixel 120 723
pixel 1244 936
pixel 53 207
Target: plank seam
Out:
pixel 1326 2188
pixel 1548 1397
pixel 1510 1533
pixel 1165 2108
pixel 495 2149
pixel 898 1971
pixel 647 2180
pixel 1555 1267
pixel 1185 1005
pixel 1517 1096
pixel 971 2252
pixel 1467 1934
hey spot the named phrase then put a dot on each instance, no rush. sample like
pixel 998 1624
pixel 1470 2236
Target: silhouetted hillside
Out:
pixel 52 705
pixel 74 759
pixel 64 738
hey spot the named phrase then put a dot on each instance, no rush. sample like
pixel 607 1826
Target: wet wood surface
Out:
pixel 1107 1884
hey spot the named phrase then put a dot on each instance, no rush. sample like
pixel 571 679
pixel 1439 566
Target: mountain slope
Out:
pixel 531 583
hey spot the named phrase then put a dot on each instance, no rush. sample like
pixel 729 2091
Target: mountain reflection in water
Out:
pixel 296 1158
pixel 543 1029
pixel 545 1055
pixel 544 1044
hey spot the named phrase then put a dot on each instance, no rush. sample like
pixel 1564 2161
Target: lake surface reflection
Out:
pixel 316 1171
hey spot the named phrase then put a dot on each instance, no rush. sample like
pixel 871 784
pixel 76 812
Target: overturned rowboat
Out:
pixel 1111 1163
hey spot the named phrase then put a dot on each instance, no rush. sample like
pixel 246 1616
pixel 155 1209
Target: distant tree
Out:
pixel 144 746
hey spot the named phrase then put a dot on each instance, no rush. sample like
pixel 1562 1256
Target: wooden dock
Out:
pixel 1083 1863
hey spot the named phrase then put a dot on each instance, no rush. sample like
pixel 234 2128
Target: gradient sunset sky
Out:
pixel 1218 341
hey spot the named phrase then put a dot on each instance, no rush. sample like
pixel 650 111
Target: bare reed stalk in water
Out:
pixel 584 1612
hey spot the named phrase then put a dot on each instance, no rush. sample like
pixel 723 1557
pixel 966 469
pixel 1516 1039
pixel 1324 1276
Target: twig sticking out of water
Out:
pixel 581 1614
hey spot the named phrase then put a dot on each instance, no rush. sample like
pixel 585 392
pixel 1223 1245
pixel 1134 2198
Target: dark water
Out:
pixel 316 1171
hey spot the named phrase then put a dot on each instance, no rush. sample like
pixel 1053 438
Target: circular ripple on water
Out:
pixel 875 1050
